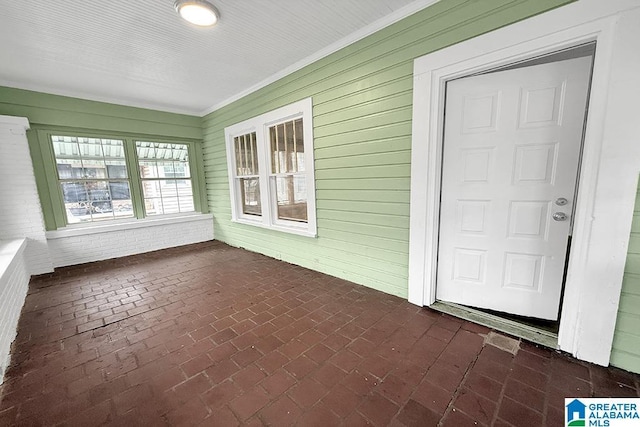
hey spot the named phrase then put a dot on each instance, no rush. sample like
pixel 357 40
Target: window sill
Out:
pixel 290 230
pixel 127 224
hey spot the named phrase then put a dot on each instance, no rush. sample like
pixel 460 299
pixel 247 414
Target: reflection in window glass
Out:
pixel 287 170
pixel 166 177
pixel 93 178
pixel 246 156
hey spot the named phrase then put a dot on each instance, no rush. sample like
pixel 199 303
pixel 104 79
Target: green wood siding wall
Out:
pixel 72 115
pixel 45 110
pixel 626 341
pixel 362 97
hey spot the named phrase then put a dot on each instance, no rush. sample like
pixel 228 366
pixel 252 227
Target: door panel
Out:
pixel 511 149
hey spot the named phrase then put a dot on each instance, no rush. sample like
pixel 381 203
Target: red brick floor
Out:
pixel 212 335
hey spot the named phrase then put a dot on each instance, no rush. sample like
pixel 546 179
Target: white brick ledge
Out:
pixel 120 225
pixel 10 252
pixel 14 284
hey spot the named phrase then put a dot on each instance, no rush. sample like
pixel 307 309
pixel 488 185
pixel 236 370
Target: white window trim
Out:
pixel 260 125
pixel 608 177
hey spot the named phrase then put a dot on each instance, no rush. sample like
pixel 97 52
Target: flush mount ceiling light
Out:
pixel 198 12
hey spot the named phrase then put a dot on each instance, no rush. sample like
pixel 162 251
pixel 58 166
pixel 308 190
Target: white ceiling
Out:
pixel 140 53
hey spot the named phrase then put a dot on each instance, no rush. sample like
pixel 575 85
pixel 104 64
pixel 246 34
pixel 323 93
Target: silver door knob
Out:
pixel 559 216
pixel 561 201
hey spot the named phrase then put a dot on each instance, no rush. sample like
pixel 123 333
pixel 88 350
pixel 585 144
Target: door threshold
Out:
pixel 508 326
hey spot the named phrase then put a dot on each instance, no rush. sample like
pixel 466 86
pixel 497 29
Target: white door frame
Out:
pixel 610 160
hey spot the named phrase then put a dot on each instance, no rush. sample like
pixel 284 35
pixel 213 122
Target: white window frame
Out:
pixel 260 125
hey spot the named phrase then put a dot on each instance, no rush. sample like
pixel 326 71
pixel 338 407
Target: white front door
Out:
pixel 510 165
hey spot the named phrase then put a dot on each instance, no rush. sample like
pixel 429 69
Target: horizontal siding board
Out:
pixel 362 97
pixel 631 284
pixel 72 105
pixel 379 85
pixel 373 241
pixel 350 111
pixel 375 207
pixel 629 303
pixel 53 110
pixel 364 195
pixel 393 130
pixel 635 225
pixel 625 352
pixel 376 159
pixel 630 361
pixel 364 184
pixel 387 171
pixel 365 218
pixel 628 323
pixel 626 341
pixel 390 233
pixel 634 244
pixel 633 263
pixel 387 145
pixel 372 121
pixel 398 258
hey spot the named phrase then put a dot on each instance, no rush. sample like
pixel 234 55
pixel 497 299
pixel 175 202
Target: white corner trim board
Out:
pixel 609 173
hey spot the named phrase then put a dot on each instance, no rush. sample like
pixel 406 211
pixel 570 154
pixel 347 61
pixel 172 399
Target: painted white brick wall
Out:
pixel 14 284
pixel 113 244
pixel 20 210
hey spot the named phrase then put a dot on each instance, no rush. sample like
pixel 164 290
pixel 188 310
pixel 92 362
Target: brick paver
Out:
pixel 208 334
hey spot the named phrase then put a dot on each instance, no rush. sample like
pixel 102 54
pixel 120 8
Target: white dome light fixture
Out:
pixel 198 12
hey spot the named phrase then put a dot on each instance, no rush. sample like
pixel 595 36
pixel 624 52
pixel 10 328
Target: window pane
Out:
pixel 90 148
pixel 153 206
pixel 95 200
pixel 166 178
pixel 165 170
pixel 119 190
pixel 299 151
pixel 92 161
pixel 250 189
pixel 181 170
pixel 168 189
pixel 184 188
pixel 166 196
pixel 64 148
pixel 291 197
pixel 121 199
pixel 170 205
pixel 113 149
pixel 246 152
pixel 287 147
pixel 123 208
pixel 69 168
pixel 148 170
pixel 186 203
pixel 116 169
pixel 151 189
pixel 93 168
pixel 180 153
pixel 76 202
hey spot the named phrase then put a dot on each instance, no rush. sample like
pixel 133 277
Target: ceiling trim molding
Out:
pixel 375 26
